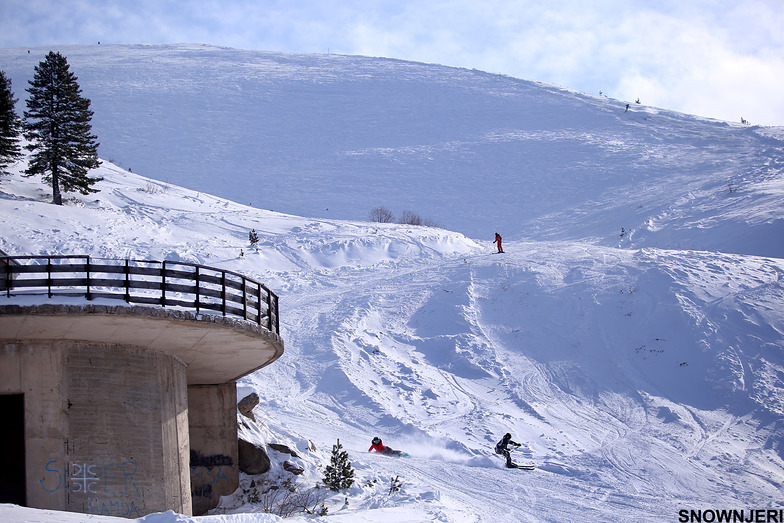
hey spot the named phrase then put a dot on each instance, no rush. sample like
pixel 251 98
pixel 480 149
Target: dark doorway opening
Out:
pixel 12 475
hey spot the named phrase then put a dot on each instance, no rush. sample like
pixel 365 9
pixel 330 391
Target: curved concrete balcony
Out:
pixel 220 324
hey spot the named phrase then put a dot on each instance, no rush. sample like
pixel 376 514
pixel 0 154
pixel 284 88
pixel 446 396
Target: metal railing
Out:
pixel 167 283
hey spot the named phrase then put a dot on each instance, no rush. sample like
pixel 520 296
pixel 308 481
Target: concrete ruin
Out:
pixel 123 410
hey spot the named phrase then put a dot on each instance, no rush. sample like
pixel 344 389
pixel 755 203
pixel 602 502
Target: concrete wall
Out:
pixel 127 410
pixel 105 426
pixel 213 439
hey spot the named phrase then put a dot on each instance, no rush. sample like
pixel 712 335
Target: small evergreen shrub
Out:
pixel 339 474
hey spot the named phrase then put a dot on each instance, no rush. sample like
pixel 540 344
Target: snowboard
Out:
pixel 523 467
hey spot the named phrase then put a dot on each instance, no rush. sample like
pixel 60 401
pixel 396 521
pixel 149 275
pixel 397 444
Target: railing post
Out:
pixel 244 299
pixel 277 317
pixel 198 288
pixel 223 292
pixel 8 278
pixel 127 281
pixel 163 283
pixel 49 275
pixel 258 307
pixel 87 268
pixel 269 310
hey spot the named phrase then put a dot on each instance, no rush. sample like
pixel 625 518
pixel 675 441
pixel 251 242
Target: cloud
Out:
pixel 721 85
pixel 696 66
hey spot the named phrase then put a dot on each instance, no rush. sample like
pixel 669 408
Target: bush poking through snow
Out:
pixel 286 498
pixel 154 188
pixel 395 485
pixel 410 218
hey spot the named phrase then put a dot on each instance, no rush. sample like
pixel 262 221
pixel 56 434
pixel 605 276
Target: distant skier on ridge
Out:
pixel 498 242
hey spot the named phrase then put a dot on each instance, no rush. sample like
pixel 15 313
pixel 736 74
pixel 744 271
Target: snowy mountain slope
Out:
pixel 333 136
pixel 606 370
pixel 640 381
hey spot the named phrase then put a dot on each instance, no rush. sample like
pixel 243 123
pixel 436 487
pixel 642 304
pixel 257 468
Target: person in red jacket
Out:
pixel 378 446
pixel 498 242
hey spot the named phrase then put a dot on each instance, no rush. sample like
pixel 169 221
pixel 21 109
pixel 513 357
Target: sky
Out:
pixel 721 59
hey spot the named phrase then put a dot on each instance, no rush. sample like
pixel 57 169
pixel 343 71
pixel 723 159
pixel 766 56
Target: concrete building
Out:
pixel 122 410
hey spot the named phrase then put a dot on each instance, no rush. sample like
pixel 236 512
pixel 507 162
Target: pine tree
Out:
pixel 57 124
pixel 10 125
pixel 339 474
pixel 253 237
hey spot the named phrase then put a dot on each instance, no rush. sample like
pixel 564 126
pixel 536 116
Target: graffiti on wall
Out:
pixel 96 482
pixel 125 509
pixel 207 471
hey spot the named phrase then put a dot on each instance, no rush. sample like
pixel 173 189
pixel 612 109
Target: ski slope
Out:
pixel 526 159
pixel 642 373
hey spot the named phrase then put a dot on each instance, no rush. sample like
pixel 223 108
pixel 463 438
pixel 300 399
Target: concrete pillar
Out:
pixel 212 415
pixel 35 371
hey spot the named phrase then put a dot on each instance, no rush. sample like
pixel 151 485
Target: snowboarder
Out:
pixel 379 447
pixel 498 242
pixel 502 448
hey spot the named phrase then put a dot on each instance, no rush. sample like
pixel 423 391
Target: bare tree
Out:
pixel 410 218
pixel 381 215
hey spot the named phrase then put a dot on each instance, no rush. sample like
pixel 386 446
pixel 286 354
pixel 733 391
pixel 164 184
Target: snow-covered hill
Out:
pixel 333 136
pixel 643 373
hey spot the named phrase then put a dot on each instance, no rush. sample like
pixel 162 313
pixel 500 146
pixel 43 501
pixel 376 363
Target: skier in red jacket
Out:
pixel 379 447
pixel 498 242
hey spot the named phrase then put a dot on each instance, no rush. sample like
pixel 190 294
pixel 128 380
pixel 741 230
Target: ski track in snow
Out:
pixel 637 482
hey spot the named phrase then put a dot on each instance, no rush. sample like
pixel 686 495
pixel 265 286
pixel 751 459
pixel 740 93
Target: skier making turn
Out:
pixel 379 447
pixel 502 448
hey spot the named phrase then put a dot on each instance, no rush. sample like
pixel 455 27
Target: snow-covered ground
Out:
pixel 643 373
